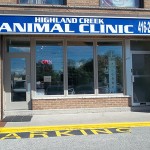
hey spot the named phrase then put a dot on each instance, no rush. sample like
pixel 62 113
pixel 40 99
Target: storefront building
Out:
pixel 74 55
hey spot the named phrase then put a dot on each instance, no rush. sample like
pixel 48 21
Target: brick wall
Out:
pixel 76 2
pixel 72 11
pixel 80 103
pixel 83 3
pixel 8 1
pixel 146 3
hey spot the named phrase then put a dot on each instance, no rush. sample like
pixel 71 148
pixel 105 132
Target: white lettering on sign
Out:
pixel 55 20
pixel 91 20
pixel 41 28
pixel 5 27
pixel 69 28
pixel 82 28
pixel 57 27
pixel 117 29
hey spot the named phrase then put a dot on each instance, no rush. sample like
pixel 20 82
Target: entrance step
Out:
pixel 75 111
pixel 63 111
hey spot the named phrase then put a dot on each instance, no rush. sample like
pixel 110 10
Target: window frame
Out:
pixel 99 49
pixel 29 3
pixel 95 72
pixel 141 5
pixel 95 63
pixel 33 41
pixel 93 56
pixel 34 74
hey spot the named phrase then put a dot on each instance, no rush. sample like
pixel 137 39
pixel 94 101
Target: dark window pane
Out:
pixel 141 89
pixel 140 45
pixel 18 46
pixel 18 79
pixel 27 1
pixel 141 64
pixel 49 68
pixel 53 2
pixel 110 66
pixel 80 68
pixel 24 1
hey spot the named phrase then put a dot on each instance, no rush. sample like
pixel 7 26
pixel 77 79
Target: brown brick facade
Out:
pixel 80 103
pixel 83 3
pixel 146 3
pixel 8 1
pixel 85 11
pixel 87 3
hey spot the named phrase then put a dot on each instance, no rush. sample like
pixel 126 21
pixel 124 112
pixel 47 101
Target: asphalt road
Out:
pixel 138 139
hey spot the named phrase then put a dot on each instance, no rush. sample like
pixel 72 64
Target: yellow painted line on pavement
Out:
pixel 72 127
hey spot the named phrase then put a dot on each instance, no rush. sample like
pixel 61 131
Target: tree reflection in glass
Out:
pixel 49 68
pixel 110 66
pixel 80 68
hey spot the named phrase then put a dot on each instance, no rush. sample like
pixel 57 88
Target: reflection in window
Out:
pixel 110 66
pixel 18 79
pixel 120 3
pixel 27 1
pixel 141 89
pixel 80 68
pixel 141 64
pixel 52 2
pixel 18 46
pixel 49 68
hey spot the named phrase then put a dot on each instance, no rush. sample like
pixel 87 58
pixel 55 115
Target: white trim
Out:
pixel 81 96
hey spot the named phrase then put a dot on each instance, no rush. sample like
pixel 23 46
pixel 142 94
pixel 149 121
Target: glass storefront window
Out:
pixel 80 68
pixel 18 46
pixel 110 67
pixel 120 3
pixel 52 2
pixel 49 68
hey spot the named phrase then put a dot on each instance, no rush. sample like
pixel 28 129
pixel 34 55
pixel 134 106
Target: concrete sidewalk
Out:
pixel 76 119
pixel 69 122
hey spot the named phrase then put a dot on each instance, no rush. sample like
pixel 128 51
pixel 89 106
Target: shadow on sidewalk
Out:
pixel 144 109
pixel 17 119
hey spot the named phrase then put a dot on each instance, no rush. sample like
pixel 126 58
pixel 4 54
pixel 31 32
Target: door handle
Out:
pixel 132 78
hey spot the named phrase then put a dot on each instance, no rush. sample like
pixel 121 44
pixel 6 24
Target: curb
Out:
pixel 72 127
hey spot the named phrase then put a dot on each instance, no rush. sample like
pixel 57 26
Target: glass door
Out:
pixel 17 75
pixel 18 79
pixel 141 78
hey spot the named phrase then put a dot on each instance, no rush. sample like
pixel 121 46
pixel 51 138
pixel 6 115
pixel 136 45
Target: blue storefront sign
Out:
pixel 10 24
